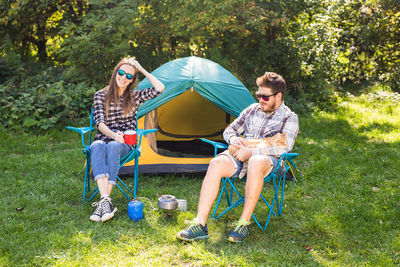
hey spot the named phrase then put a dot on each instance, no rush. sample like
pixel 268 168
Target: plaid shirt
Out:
pixel 116 121
pixel 254 123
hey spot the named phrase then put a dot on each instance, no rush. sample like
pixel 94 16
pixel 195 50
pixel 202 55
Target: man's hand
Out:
pixel 119 137
pixel 237 141
pixel 243 153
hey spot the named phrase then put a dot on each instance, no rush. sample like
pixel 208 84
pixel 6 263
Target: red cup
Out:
pixel 130 137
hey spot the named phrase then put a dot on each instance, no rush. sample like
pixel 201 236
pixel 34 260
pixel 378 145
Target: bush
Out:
pixel 43 101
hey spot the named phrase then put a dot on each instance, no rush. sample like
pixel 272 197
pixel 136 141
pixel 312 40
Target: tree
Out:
pixel 31 25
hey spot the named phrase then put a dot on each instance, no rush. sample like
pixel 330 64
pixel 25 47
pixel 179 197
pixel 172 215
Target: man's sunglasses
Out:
pixel 265 97
pixel 122 73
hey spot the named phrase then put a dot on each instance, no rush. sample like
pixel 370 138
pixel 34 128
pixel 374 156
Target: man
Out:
pixel 264 119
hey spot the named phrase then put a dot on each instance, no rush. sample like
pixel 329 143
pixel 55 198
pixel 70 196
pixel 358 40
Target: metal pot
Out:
pixel 167 202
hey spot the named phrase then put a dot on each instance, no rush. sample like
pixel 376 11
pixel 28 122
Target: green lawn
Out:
pixel 344 211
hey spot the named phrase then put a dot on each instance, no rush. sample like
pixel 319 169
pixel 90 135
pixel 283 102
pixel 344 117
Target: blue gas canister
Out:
pixel 135 210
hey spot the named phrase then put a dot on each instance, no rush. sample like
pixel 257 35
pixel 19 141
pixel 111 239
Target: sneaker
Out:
pixel 108 209
pixel 193 231
pixel 239 232
pixel 98 212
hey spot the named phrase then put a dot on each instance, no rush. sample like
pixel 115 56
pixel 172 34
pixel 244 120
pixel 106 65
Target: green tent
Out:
pixel 200 99
pixel 208 78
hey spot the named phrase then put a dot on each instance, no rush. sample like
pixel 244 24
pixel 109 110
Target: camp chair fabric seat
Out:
pixel 278 182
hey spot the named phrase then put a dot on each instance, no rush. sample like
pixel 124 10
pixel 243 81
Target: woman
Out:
pixel 115 109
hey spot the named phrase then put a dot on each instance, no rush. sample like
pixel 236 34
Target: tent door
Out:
pixel 150 122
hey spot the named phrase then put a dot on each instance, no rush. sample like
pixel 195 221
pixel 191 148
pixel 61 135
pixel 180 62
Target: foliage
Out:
pixel 367 43
pixel 343 212
pixel 38 102
pixel 321 48
pixel 100 41
pixel 35 25
pixel 232 33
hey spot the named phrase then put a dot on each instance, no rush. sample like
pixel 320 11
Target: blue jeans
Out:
pixel 105 159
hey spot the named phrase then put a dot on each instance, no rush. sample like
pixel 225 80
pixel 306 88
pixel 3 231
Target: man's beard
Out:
pixel 269 108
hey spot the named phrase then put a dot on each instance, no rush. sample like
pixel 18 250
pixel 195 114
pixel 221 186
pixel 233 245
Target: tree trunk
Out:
pixel 42 52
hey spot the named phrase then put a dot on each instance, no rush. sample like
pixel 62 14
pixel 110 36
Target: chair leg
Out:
pixel 86 183
pixel 95 191
pixel 122 190
pixel 277 187
pixel 228 195
pixel 282 195
pixel 258 224
pixel 86 186
pixel 84 189
pixel 270 210
pixel 270 207
pixel 127 187
pixel 135 177
pixel 87 172
pixel 234 205
pixel 241 200
pixel 223 189
pixel 268 217
pixel 276 190
pixel 231 194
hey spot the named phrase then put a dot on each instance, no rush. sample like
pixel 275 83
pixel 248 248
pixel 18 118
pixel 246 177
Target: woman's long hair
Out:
pixel 112 91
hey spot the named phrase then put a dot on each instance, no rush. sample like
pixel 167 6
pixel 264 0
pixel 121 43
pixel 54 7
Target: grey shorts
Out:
pixel 239 165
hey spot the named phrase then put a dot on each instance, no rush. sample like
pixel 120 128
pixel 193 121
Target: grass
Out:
pixel 344 211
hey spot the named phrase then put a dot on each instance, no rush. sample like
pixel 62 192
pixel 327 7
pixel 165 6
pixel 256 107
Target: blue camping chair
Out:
pixel 277 181
pixel 133 154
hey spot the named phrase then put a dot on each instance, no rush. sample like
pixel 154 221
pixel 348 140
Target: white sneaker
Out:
pixel 98 212
pixel 108 209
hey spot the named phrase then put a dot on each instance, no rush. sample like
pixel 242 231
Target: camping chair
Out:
pixel 133 154
pixel 277 181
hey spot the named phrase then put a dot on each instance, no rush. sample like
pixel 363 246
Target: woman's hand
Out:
pixel 159 86
pixel 136 64
pixel 119 137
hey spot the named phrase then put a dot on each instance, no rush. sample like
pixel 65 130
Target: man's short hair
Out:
pixel 273 81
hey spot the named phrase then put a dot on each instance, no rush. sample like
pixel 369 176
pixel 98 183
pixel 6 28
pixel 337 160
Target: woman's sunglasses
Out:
pixel 122 73
pixel 264 97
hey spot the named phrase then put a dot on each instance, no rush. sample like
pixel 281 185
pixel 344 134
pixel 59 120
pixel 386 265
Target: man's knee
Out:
pixel 218 162
pixel 259 163
pixel 221 164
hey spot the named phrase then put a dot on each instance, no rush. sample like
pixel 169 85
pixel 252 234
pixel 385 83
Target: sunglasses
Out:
pixel 122 73
pixel 265 97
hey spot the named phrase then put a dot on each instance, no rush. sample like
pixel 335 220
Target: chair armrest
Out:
pixel 137 150
pixel 142 132
pixel 82 131
pixel 289 156
pixel 216 145
pixel 145 132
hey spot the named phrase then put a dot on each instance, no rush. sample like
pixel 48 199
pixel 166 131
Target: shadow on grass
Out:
pixel 381 127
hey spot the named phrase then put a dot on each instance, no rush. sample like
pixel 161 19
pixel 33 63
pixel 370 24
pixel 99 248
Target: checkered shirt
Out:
pixel 254 123
pixel 116 121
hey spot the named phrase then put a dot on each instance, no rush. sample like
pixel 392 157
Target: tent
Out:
pixel 200 99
